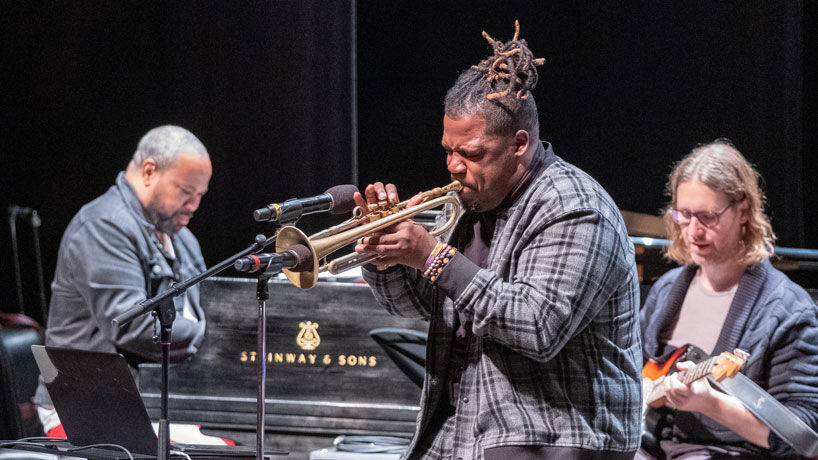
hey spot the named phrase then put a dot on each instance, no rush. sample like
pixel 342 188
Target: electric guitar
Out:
pixel 723 368
pixel 726 365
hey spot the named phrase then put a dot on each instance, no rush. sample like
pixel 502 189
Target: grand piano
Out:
pixel 325 375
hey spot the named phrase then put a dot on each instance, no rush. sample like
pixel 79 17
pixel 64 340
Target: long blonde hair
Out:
pixel 720 166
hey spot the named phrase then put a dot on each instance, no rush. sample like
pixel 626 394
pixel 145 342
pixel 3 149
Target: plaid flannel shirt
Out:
pixel 555 354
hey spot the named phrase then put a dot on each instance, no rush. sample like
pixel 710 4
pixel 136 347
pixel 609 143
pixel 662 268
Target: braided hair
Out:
pixel 499 88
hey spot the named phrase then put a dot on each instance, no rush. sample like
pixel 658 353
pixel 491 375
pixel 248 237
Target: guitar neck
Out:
pixel 688 376
pixel 700 371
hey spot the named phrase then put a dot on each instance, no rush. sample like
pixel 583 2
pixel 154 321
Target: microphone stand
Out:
pixel 12 213
pixel 38 259
pixel 262 294
pixel 162 308
pixel 166 313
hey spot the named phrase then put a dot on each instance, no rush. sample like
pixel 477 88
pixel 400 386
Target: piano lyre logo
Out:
pixel 308 338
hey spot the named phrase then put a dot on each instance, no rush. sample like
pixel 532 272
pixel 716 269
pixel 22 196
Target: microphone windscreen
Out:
pixel 304 256
pixel 342 198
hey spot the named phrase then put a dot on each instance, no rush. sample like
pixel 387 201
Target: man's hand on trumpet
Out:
pixel 406 242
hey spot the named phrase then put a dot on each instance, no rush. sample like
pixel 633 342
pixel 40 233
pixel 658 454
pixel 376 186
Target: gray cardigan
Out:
pixel 770 317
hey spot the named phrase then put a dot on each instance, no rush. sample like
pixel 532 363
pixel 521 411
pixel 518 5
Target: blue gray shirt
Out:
pixel 109 260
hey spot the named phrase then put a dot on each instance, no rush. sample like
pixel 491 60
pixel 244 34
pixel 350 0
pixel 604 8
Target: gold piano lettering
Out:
pixel 347 360
pixel 280 357
pixel 357 360
pixel 247 356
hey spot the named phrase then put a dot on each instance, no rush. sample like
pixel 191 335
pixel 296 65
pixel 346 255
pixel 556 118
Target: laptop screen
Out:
pixel 96 398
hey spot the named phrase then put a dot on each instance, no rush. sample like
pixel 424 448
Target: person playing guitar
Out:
pixel 727 295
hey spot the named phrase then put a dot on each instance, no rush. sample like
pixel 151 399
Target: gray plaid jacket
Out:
pixel 555 355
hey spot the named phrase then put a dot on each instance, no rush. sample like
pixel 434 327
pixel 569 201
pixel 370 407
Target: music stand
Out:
pixel 407 348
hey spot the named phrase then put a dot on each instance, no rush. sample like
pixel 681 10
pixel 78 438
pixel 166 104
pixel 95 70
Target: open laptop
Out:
pixel 98 402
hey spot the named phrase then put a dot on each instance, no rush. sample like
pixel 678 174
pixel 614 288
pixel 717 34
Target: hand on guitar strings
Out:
pixel 696 396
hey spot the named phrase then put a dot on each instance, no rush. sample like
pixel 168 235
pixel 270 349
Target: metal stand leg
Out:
pixel 262 294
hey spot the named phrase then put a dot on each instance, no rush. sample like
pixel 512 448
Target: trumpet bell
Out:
pixel 288 237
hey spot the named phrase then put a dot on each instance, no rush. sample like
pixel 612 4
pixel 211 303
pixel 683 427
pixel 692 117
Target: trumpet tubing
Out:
pixel 361 225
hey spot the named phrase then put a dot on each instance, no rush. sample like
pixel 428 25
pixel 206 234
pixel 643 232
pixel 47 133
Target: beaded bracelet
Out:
pixel 438 247
pixel 431 259
pixel 439 260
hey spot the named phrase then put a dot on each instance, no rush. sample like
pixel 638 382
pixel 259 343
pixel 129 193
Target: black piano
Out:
pixel 325 375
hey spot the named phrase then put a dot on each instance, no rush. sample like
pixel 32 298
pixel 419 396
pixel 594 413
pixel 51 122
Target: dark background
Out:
pixel 292 97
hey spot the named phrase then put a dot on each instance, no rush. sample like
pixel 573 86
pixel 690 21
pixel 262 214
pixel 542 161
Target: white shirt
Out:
pixel 702 315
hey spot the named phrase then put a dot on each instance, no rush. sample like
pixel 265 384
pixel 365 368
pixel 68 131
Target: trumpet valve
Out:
pixel 378 207
pixel 378 211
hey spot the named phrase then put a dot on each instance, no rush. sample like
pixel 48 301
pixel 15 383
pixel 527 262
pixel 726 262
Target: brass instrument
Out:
pixel 359 226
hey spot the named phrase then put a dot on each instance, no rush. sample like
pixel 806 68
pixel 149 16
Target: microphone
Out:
pixel 298 259
pixel 336 200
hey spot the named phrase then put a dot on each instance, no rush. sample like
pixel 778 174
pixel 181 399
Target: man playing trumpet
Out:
pixel 532 298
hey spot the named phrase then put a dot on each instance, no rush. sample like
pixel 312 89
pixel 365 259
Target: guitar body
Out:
pixel 655 372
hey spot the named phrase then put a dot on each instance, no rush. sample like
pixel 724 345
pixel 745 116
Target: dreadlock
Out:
pixel 499 87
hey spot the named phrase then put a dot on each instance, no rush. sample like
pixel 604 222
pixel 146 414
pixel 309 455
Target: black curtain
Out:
pixel 265 85
pixel 627 89
pixel 270 88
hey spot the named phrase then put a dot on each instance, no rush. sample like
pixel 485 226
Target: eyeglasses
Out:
pixel 707 218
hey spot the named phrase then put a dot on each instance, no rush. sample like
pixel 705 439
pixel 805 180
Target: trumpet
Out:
pixel 360 225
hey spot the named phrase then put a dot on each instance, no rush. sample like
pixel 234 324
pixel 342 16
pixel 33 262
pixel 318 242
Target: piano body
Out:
pixel 325 375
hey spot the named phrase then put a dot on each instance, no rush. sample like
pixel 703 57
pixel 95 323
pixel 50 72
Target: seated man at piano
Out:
pixel 727 295
pixel 128 245
pixel 532 299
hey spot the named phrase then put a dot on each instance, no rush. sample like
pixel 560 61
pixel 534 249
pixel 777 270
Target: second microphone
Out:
pixel 298 258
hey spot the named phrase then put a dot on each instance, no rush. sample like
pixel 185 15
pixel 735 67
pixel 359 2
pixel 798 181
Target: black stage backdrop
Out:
pixel 292 97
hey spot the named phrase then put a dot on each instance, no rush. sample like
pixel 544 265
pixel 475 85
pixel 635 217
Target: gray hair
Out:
pixel 163 145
